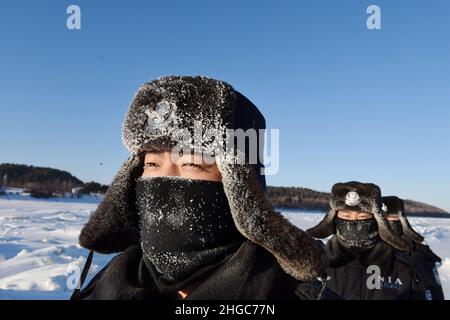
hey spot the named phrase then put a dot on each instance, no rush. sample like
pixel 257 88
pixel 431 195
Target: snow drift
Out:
pixel 39 254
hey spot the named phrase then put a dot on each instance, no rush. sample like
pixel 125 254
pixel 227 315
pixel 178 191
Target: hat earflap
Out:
pixel 297 252
pixel 409 231
pixel 114 225
pixel 326 227
pixel 385 233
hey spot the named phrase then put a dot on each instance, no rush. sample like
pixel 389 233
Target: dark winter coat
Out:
pixel 425 254
pixel 401 277
pixel 249 273
pixel 430 261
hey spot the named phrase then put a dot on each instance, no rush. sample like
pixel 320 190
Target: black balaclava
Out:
pixel 185 225
pixel 357 236
pixel 396 226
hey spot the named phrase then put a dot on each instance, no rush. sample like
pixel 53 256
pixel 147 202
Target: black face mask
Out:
pixel 185 224
pixel 396 226
pixel 357 235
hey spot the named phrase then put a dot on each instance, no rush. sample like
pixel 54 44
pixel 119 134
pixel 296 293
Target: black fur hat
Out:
pixel 357 196
pixel 159 109
pixel 394 206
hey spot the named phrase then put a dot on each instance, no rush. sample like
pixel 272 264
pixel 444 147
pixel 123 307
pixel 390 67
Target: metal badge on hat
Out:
pixel 161 117
pixel 352 199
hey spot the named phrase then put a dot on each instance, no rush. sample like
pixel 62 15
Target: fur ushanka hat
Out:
pixel 394 206
pixel 357 196
pixel 172 103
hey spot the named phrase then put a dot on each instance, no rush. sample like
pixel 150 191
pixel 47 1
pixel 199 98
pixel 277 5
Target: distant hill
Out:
pixel 31 177
pixel 42 182
pixel 307 199
pixel 49 181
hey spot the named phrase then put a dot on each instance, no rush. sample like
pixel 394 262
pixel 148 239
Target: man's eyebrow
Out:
pixel 193 156
pixel 154 153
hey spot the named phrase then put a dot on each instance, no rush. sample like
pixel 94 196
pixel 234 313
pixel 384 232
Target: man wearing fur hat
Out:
pixel 368 260
pixel 393 209
pixel 196 224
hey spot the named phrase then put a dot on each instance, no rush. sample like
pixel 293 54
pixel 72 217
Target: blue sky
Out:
pixel 350 103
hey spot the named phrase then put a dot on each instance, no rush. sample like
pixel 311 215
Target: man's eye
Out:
pixel 151 165
pixel 194 166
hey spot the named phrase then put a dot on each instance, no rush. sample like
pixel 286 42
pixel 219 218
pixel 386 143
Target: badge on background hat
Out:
pixel 384 208
pixel 352 199
pixel 161 117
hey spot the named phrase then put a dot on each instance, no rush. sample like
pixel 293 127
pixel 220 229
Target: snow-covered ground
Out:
pixel 39 255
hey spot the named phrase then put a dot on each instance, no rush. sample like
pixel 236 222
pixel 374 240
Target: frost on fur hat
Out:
pixel 394 206
pixel 357 196
pixel 172 104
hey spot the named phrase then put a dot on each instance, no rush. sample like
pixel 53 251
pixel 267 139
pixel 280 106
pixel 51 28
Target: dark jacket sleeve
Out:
pixel 426 283
pixel 316 290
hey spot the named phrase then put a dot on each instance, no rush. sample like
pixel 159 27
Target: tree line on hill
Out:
pixel 48 182
pixel 43 182
pixel 307 199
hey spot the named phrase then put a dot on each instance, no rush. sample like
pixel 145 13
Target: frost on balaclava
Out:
pixel 357 235
pixel 185 224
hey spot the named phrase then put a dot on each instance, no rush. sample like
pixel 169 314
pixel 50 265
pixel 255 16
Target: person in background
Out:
pixel 368 260
pixel 393 209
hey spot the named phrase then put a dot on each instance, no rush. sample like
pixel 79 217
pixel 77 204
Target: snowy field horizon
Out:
pixel 39 248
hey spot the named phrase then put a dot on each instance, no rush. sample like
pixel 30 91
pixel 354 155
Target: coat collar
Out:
pixel 340 256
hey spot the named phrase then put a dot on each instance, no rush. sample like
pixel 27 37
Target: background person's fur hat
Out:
pixel 394 206
pixel 171 103
pixel 357 196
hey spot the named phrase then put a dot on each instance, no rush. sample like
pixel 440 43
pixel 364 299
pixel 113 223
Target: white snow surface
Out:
pixel 39 249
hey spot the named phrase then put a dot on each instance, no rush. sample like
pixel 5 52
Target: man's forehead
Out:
pixel 353 212
pixel 158 153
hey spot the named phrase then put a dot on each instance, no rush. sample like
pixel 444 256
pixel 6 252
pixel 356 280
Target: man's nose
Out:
pixel 170 170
